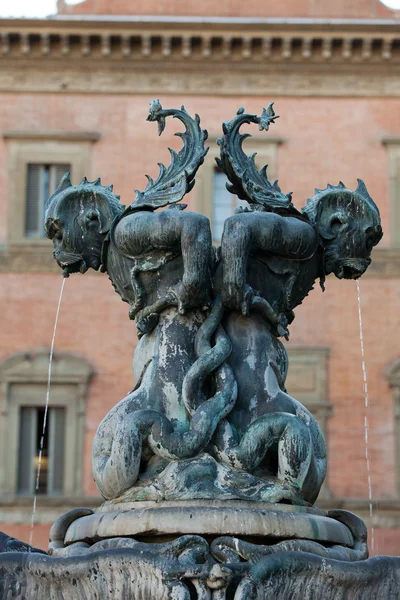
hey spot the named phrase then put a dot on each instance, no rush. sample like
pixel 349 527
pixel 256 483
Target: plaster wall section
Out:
pixel 232 8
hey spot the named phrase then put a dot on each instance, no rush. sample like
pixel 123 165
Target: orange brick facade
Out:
pixel 325 139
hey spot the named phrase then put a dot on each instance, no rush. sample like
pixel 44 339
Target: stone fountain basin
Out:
pixel 209 518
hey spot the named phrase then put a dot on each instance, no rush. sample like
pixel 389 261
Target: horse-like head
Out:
pixel 77 219
pixel 349 226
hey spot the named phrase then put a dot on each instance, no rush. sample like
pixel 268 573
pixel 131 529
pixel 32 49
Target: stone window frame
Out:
pixel 74 148
pixel 315 397
pixel 393 154
pixel 393 377
pixel 267 154
pixel 32 368
pixel 314 361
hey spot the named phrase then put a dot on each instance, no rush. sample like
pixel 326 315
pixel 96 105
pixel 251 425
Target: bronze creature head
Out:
pixel 78 219
pixel 349 226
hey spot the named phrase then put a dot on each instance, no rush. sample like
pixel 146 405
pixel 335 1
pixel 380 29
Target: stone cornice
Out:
pixel 289 40
pixel 152 56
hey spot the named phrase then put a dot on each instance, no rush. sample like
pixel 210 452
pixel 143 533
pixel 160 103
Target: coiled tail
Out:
pixel 117 448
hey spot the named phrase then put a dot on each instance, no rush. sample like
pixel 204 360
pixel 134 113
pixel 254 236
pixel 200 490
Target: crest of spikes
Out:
pixel 358 200
pixel 84 195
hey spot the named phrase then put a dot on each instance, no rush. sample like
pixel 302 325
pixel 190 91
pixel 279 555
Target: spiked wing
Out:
pixel 176 180
pixel 246 181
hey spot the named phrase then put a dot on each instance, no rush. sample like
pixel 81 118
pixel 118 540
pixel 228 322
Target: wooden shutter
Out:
pixel 27 447
pixel 34 201
pixel 56 174
pixel 224 204
pixel 55 483
pixel 42 182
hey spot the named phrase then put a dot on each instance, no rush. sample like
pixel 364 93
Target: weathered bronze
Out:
pixel 210 367
pixel 209 420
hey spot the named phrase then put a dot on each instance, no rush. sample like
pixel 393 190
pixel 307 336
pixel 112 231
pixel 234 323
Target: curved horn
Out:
pixel 246 181
pixel 177 180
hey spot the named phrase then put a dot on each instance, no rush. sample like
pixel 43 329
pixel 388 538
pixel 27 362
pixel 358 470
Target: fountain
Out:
pixel 208 468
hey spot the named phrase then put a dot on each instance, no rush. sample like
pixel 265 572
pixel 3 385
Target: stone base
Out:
pixel 203 477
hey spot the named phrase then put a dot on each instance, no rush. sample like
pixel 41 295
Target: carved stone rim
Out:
pixel 237 504
pixel 270 521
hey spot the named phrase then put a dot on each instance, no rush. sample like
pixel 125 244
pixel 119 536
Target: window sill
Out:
pixel 386 511
pixel 50 501
pixel 385 263
pixel 36 256
pixel 28 257
pixel 17 510
pixel 59 136
pixel 32 242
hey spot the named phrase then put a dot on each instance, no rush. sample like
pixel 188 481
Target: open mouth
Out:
pixel 349 273
pixel 351 268
pixel 70 263
pixel 75 268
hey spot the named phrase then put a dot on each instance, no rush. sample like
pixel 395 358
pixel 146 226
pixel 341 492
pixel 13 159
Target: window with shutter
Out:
pixel 51 479
pixel 212 199
pixel 27 429
pixel 37 161
pixel 56 436
pixel 41 182
pixel 23 389
pixel 224 204
pixel 393 378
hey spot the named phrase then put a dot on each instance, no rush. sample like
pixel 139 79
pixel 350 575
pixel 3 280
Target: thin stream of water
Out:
pixel 367 407
pixel 46 410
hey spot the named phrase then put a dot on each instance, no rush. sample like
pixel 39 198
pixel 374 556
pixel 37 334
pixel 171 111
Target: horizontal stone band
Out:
pixel 241 520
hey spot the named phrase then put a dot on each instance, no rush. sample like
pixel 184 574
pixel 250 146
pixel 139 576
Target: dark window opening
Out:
pixel 41 182
pixel 224 203
pixel 51 478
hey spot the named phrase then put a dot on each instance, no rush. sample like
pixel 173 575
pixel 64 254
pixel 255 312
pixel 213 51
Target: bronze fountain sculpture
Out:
pixel 209 468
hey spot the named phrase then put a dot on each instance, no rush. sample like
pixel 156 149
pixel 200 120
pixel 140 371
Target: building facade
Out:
pixel 74 95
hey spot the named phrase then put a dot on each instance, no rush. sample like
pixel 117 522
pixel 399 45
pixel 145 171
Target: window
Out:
pixel 223 205
pixel 41 183
pixel 24 384
pixel 37 161
pixel 307 382
pixel 393 376
pixel 51 477
pixel 211 196
pixel 393 153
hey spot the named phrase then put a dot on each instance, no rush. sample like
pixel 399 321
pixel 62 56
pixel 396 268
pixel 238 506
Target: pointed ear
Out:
pixel 64 183
pixel 332 224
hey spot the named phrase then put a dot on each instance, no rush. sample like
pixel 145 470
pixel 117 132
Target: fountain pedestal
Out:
pixel 217 547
